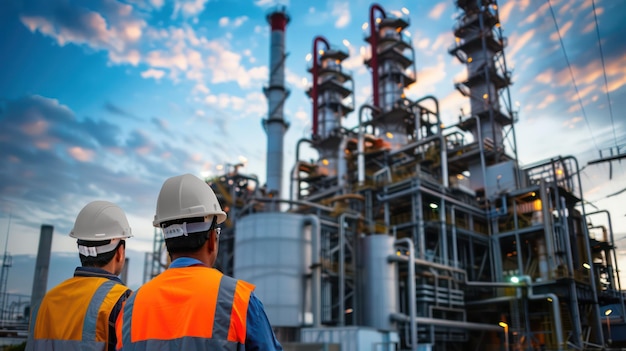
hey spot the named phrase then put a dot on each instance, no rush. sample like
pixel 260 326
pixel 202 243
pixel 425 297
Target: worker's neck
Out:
pixel 111 267
pixel 200 256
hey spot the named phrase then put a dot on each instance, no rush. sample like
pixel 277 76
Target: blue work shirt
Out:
pixel 259 333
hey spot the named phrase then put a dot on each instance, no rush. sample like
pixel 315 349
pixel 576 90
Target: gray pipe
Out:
pixel 556 311
pixel 316 266
pixel 547 226
pixel 572 285
pixel 412 290
pixel 295 170
pixel 361 145
pixel 450 199
pixel 455 254
pixel 341 166
pixel 446 323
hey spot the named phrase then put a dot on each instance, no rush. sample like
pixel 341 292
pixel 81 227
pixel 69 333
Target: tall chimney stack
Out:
pixel 40 281
pixel 275 125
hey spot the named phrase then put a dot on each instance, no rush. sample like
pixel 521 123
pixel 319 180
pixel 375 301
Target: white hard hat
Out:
pixel 101 220
pixel 186 196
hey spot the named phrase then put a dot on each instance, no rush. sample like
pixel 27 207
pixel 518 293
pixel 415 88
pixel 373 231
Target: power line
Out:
pixel 569 66
pixel 606 83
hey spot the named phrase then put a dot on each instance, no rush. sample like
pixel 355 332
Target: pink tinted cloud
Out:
pixel 81 154
pixel 38 127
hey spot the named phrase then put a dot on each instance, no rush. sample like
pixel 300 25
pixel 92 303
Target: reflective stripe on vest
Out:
pixel 229 317
pixel 101 302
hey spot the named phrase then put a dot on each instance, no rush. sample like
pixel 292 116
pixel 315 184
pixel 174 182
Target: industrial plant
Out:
pixel 408 234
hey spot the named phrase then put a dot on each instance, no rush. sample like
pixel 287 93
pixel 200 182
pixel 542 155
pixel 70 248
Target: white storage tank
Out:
pixel 273 252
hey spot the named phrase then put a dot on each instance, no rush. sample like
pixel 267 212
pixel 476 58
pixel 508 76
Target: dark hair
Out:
pixel 185 244
pixel 102 259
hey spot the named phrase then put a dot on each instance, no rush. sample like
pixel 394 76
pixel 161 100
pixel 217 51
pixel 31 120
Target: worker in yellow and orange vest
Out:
pixel 192 306
pixel 80 313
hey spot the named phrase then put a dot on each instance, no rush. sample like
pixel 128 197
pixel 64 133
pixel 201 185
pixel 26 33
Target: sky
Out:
pixel 105 99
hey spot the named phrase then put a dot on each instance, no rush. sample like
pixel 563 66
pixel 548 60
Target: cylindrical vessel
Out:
pixel 380 282
pixel 273 252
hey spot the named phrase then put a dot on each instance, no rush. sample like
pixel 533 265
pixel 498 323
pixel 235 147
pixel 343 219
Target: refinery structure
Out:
pixel 406 234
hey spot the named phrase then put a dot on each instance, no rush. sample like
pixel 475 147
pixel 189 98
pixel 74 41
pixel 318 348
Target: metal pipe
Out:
pixel 556 311
pixel 341 166
pixel 315 72
pixel 374 46
pixel 572 283
pixel 361 145
pixel 421 231
pixel 455 254
pixel 447 323
pixel 316 267
pixel 547 226
pixel 413 189
pixel 295 170
pixel 412 290
pixel 444 231
pixel 481 148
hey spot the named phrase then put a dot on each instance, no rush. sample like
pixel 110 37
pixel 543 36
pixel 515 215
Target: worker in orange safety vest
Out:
pixel 80 313
pixel 192 306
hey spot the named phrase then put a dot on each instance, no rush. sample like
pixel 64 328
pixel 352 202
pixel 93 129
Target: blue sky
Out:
pixel 106 99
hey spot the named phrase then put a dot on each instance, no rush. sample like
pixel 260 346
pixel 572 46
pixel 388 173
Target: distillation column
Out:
pixel 275 125
pixel 393 69
pixel 332 97
pixel 479 45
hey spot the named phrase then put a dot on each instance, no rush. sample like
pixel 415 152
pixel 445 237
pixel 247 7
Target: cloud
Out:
pixel 562 30
pixel 235 23
pixel 153 73
pixel 112 26
pixel 520 42
pixel 340 10
pixel 52 158
pixel 188 8
pixel 81 154
pixel 114 109
pixel 267 3
pixel 437 11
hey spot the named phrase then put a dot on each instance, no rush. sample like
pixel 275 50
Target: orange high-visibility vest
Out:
pixel 186 308
pixel 75 315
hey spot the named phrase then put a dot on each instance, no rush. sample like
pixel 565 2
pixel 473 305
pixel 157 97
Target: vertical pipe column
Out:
pixel 275 125
pixel 40 280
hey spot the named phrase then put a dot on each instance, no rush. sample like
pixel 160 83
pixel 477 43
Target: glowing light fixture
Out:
pixel 405 11
pixel 433 205
pixel 586 265
pixel 514 279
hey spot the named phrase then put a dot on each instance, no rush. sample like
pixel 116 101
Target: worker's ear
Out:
pixel 120 253
pixel 211 241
